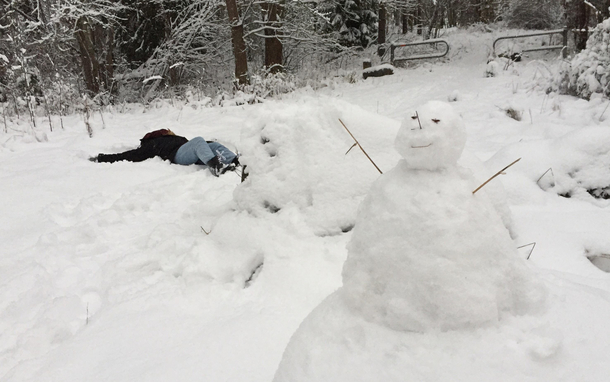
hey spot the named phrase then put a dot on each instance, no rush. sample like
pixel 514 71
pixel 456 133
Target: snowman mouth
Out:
pixel 421 147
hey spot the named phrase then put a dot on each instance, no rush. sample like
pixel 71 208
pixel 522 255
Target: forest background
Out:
pixel 66 56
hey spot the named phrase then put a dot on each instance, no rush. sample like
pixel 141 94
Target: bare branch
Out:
pixel 496 174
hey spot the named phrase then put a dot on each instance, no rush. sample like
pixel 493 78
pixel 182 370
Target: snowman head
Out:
pixel 432 137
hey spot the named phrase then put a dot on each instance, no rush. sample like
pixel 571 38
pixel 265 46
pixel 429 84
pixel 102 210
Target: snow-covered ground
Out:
pixel 158 272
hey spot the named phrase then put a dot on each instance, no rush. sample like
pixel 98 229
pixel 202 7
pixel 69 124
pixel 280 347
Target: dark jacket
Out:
pixel 164 146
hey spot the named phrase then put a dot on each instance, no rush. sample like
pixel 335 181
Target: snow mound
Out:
pixel 296 158
pixel 334 344
pixel 575 165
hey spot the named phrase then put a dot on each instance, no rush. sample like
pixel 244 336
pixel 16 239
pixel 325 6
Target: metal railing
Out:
pixel 393 47
pixel 563 46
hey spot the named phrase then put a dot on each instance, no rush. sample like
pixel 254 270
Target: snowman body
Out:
pixel 427 253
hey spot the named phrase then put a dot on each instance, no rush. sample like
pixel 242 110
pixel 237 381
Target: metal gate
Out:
pixel 563 46
pixel 393 47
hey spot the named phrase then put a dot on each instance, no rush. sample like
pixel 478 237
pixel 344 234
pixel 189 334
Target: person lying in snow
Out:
pixel 169 146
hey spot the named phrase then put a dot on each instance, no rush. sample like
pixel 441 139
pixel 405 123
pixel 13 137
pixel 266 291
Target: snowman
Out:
pixel 426 254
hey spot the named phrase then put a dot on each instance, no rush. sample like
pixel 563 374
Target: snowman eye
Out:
pixel 416 116
pixel 436 120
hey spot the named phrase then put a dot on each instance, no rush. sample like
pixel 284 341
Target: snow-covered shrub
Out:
pixel 589 71
pixel 266 85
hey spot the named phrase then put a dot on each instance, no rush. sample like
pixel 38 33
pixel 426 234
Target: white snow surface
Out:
pixel 106 273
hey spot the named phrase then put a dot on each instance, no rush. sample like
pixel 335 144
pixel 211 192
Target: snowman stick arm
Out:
pixel 358 143
pixel 496 174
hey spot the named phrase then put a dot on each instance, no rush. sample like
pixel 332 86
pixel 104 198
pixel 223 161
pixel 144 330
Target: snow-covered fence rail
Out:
pixel 563 46
pixel 433 42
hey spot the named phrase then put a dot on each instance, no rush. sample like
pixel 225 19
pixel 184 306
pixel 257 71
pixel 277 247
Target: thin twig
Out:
pixel 532 250
pixel 103 122
pixel 542 176
pixel 358 143
pixel 4 118
pixel 46 105
pixel 350 149
pixel 600 117
pixel 244 174
pixel 204 231
pixel 496 174
pixel 543 103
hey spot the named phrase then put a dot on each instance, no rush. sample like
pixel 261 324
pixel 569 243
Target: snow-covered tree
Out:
pixel 353 21
pixel 91 25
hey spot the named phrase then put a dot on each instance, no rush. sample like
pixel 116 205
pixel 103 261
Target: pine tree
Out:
pixel 355 21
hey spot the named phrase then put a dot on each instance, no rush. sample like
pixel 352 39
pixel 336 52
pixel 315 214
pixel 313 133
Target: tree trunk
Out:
pixel 96 44
pixel 418 19
pixel 91 67
pixel 239 45
pixel 381 26
pixel 104 40
pixel 582 24
pixel 451 17
pixel 433 22
pixel 274 54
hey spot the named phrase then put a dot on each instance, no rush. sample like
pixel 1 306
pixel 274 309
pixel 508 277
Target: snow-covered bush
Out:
pixel 589 71
pixel 265 85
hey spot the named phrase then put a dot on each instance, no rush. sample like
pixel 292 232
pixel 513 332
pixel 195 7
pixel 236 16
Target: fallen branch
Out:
pixel 496 174
pixel 358 143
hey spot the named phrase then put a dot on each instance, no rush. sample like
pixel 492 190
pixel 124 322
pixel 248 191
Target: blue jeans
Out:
pixel 197 150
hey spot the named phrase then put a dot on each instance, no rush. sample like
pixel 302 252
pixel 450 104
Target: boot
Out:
pixel 216 167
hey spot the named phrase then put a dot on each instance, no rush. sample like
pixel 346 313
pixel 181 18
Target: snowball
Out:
pixel 432 138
